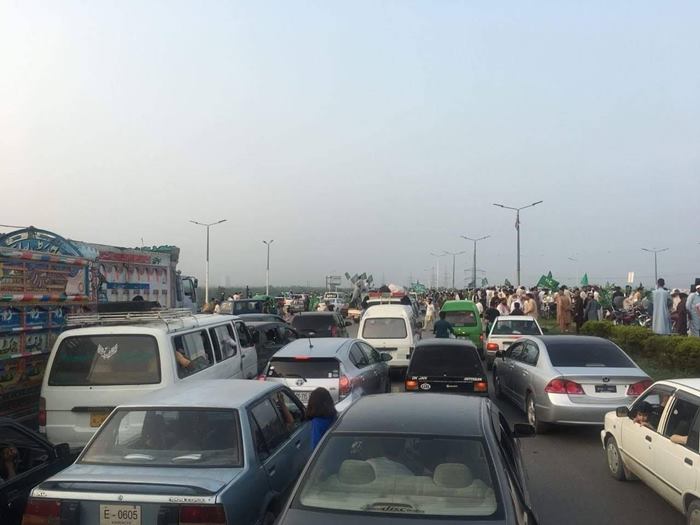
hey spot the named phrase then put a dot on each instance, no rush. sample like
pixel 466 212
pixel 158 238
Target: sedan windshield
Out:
pixel 168 437
pixel 515 327
pixel 405 475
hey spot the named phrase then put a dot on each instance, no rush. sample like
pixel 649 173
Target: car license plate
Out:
pixel 120 515
pixel 97 418
pixel 303 396
pixel 605 388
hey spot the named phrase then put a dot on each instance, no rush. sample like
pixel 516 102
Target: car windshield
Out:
pixel 243 307
pixel 90 360
pixel 313 322
pixel 168 437
pixel 316 368
pixel 515 327
pixel 463 318
pixel 586 353
pixel 384 328
pixel 445 360
pixel 406 475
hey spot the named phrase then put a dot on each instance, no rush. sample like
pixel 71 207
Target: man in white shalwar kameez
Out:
pixel 661 316
pixel 693 307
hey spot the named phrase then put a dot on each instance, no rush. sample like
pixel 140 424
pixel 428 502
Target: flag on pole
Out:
pixel 547 281
pixel 484 282
pixel 507 283
pixel 584 280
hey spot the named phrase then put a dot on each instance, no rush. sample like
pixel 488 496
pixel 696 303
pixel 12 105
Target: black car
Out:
pixel 396 459
pixel 255 318
pixel 270 337
pixel 26 459
pixel 321 324
pixel 446 365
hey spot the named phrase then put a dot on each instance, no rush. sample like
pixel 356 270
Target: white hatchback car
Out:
pixel 505 330
pixel 656 440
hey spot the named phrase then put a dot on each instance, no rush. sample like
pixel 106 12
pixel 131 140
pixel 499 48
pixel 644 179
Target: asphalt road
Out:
pixel 570 483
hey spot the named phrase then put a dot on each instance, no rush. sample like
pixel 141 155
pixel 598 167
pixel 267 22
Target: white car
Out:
pixel 505 330
pixel 656 440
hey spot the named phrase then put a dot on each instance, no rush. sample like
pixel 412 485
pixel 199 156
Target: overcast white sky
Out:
pixel 360 135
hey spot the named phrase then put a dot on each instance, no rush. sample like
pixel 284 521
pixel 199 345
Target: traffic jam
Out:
pixel 123 406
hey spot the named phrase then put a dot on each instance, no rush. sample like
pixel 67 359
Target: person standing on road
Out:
pixel 490 314
pixel 661 317
pixel 692 304
pixel 591 312
pixel 516 309
pixel 443 328
pixel 321 412
pixel 680 315
pixel 503 307
pixel 563 302
pixel 579 310
pixel 429 315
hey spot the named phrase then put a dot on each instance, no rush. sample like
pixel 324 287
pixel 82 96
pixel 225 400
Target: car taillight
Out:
pixel 637 388
pixel 42 512
pixel 491 346
pixel 202 514
pixel 411 384
pixel 563 386
pixel 42 412
pixel 345 386
pixel 481 386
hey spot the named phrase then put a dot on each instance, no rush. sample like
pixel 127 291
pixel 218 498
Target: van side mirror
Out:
pixel 622 412
pixel 523 430
pixel 386 357
pixel 499 353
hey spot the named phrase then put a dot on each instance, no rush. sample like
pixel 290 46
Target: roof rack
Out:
pixel 167 316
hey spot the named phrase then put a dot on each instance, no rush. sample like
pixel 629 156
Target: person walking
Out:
pixel 563 302
pixel 692 305
pixel 661 317
pixel 429 315
pixel 443 328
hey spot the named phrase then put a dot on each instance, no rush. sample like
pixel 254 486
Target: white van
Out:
pixel 116 358
pixel 390 328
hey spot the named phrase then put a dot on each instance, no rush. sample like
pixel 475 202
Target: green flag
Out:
pixel 549 274
pixel 507 283
pixel 547 281
pixel 584 280
pixel 484 282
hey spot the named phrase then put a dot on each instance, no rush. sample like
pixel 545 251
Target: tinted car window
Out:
pixel 598 353
pixel 372 355
pixel 530 354
pixel 273 429
pixel 313 322
pixel 515 327
pixel 680 421
pixel 466 318
pixel 20 453
pixel 357 357
pixel 445 360
pixel 243 335
pixel 106 360
pixel 315 368
pixel 384 328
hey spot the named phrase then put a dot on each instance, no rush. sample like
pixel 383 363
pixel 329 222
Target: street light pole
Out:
pixel 437 268
pixel 267 272
pixel 206 270
pixel 517 227
pixel 656 265
pixel 454 258
pixel 474 261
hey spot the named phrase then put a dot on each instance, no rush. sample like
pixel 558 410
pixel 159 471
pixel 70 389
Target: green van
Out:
pixel 464 316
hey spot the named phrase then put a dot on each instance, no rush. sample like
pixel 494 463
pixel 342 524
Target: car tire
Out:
pixel 531 412
pixel 692 515
pixel 614 460
pixel 498 391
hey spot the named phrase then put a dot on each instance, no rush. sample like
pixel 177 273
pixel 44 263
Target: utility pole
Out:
pixel 656 265
pixel 206 271
pixel 437 268
pixel 267 272
pixel 474 260
pixel 517 227
pixel 454 259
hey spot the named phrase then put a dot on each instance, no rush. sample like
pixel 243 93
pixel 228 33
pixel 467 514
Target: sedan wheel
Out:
pixel 531 411
pixel 615 465
pixel 693 514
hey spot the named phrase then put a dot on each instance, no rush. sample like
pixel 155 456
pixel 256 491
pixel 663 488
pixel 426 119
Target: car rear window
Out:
pixel 515 327
pixel 416 476
pixel 384 328
pixel 313 322
pixel 313 368
pixel 445 360
pixel 464 318
pixel 91 360
pixel 587 354
pixel 168 438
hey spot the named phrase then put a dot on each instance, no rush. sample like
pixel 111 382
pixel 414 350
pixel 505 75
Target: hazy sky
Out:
pixel 360 135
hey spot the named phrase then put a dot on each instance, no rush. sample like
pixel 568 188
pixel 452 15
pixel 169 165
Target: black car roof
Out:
pixel 434 341
pixel 406 413
pixel 568 338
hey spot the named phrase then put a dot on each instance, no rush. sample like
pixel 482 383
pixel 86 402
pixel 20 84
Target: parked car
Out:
pixel 507 329
pixel 347 368
pixel 446 365
pixel 466 320
pixel 269 337
pixel 219 451
pixel 256 305
pixel 119 357
pixel 246 318
pixel 656 440
pixel 321 324
pixel 32 459
pixel 437 459
pixel 391 328
pixel 567 379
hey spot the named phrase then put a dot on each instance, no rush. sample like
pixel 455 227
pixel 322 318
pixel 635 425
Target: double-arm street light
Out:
pixel 437 268
pixel 656 266
pixel 454 258
pixel 517 226
pixel 206 272
pixel 474 261
pixel 267 272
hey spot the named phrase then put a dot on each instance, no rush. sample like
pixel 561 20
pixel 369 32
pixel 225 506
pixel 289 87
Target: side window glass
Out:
pixel 243 335
pixel 222 336
pixel 258 440
pixel 371 353
pixel 215 344
pixel 647 410
pixel 19 453
pixel 357 357
pixel 679 423
pixel 193 353
pixel 515 352
pixel 274 430
pixel 290 334
pixel 531 354
pixel 292 413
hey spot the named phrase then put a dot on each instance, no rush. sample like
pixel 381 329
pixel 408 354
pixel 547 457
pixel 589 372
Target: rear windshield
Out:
pixel 168 438
pixel 445 360
pixel 384 328
pixel 88 360
pixel 317 368
pixel 313 322
pixel 515 327
pixel 589 354
pixel 464 318
pixel 416 476
pixel 245 307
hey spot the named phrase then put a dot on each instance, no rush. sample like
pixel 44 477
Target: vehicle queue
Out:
pixel 171 430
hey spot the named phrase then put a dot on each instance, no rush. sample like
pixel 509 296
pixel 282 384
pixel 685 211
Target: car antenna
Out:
pixel 310 345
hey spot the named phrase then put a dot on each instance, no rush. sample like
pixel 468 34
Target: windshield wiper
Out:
pixel 139 457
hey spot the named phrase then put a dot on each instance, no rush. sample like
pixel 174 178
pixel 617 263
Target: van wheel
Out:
pixel 615 465
pixel 693 515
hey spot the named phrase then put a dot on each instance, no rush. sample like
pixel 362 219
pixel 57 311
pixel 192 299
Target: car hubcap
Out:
pixel 531 417
pixel 613 458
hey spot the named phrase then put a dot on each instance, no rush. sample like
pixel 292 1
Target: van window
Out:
pixel 384 328
pixel 196 348
pixel 223 341
pixel 463 318
pixel 87 360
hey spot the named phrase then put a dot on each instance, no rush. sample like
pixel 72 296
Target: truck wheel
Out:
pixel 615 464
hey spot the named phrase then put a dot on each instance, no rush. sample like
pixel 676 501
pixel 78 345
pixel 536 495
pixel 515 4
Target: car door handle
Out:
pixel 648 438
pixel 688 461
pixel 524 373
pixel 298 443
pixel 272 471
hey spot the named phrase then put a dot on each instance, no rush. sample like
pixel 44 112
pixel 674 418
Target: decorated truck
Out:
pixel 44 277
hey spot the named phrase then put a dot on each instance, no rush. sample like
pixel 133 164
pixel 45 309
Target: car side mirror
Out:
pixel 499 353
pixel 523 430
pixel 622 412
pixel 386 357
pixel 62 450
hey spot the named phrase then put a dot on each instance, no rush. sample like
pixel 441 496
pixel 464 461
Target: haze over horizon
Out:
pixel 360 136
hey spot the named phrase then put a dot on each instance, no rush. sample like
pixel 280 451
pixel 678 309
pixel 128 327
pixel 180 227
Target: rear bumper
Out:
pixel 558 408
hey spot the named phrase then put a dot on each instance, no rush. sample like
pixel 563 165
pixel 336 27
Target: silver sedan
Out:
pixel 567 379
